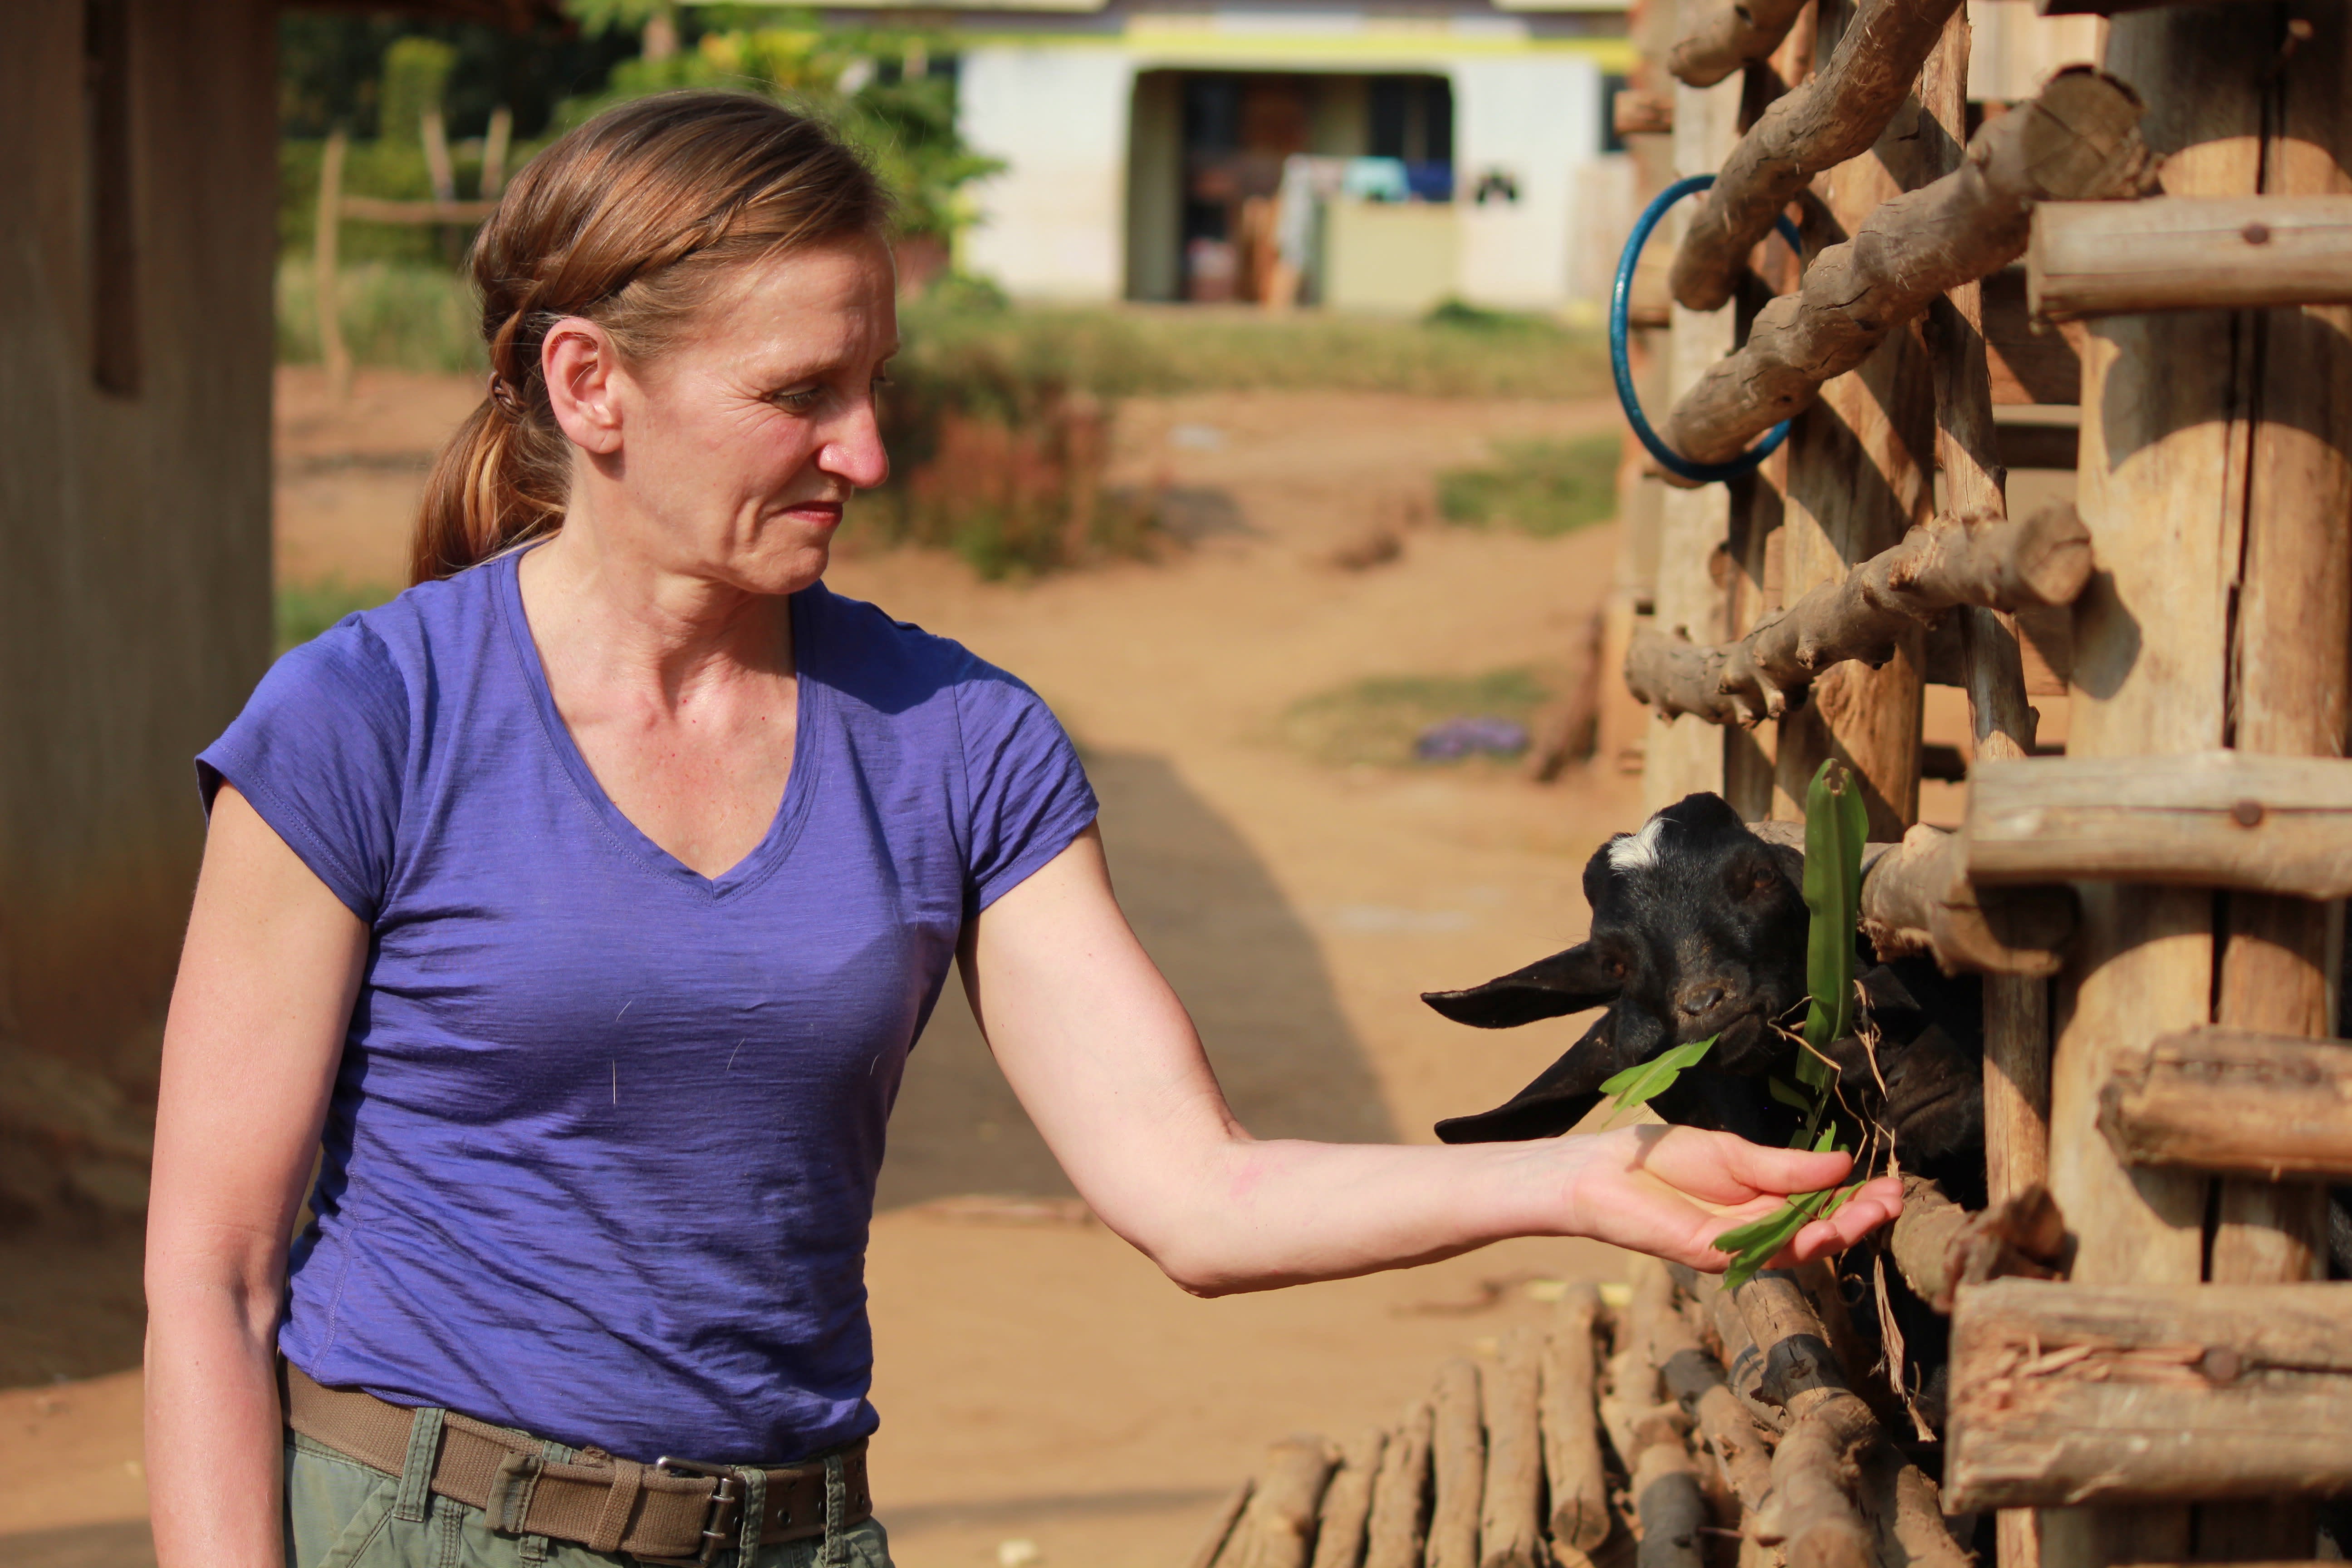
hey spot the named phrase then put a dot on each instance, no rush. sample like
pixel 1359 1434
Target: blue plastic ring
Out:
pixel 1621 301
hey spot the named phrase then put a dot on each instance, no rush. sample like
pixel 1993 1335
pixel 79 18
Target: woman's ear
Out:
pixel 581 367
pixel 1550 987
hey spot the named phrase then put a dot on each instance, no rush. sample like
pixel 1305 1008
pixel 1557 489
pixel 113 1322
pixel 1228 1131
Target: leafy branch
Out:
pixel 1836 825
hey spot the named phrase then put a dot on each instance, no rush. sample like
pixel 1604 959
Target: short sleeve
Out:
pixel 1028 791
pixel 320 751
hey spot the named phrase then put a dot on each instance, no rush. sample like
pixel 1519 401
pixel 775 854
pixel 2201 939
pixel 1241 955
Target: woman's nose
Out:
pixel 852 451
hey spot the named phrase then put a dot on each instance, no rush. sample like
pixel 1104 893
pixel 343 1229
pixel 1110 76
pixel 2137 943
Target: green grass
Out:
pixel 1374 722
pixel 1543 488
pixel 1127 351
pixel 306 609
pixel 400 315
pixel 416 316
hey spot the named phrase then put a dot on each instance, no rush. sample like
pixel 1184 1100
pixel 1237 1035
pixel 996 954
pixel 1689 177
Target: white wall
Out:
pixel 1053 225
pixel 1537 118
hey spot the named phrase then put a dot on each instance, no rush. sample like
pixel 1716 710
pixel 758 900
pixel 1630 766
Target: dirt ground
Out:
pixel 1038 1381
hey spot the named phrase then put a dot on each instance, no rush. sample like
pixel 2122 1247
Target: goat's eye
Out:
pixel 1761 879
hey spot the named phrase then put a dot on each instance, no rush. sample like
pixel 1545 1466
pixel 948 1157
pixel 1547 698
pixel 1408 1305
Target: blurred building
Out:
pixel 1366 155
pixel 139 170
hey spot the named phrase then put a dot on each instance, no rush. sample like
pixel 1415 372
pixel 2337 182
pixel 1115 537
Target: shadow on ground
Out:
pixel 1237 951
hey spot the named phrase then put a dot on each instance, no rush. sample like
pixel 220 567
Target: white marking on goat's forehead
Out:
pixel 1636 851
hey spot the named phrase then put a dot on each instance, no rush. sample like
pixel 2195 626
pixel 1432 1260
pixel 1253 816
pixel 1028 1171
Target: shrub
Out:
pixel 1543 488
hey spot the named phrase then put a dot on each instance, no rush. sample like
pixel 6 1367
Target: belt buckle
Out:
pixel 726 1507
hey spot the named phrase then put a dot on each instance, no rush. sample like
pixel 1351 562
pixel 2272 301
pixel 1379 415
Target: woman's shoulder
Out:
pixel 883 659
pixel 396 643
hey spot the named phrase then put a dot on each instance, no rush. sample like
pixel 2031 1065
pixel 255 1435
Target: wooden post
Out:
pixel 1348 1502
pixel 1458 1455
pixel 1510 1528
pixel 1571 1437
pixel 1279 1523
pixel 1684 755
pixel 495 146
pixel 2002 723
pixel 2288 682
pixel 331 351
pixel 2162 486
pixel 1858 479
pixel 1400 1521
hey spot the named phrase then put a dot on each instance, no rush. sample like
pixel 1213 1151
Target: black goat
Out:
pixel 1699 929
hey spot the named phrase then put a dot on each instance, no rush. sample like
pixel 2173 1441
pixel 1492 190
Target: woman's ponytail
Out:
pixel 629 221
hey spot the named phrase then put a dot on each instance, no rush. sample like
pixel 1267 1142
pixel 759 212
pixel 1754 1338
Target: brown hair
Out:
pixel 629 221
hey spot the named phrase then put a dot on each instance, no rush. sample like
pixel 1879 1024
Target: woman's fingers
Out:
pixel 1721 1168
pixel 1876 1204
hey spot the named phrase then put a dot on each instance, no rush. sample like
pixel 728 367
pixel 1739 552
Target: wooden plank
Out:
pixel 2078 139
pixel 2268 1106
pixel 2189 252
pixel 1686 755
pixel 1836 116
pixel 2213 819
pixel 2072 1393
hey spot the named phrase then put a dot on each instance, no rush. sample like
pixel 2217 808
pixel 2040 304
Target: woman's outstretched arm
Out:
pixel 265 992
pixel 1107 1063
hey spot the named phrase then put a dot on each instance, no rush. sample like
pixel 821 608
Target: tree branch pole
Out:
pixel 1952 561
pixel 2189 252
pixel 1728 41
pixel 1399 1521
pixel 1569 1418
pixel 1834 117
pixel 2078 140
pixel 2263 1106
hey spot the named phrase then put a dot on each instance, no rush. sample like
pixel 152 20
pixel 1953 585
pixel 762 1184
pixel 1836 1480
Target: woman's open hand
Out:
pixel 1671 1191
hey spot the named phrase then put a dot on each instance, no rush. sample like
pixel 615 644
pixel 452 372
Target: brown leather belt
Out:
pixel 671 1511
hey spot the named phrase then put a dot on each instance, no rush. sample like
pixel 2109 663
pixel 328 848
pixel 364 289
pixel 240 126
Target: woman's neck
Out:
pixel 618 618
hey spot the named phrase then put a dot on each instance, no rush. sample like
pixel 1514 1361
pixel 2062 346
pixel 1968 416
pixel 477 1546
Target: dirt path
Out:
pixel 1038 1381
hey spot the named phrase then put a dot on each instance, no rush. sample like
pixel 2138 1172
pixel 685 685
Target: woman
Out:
pixel 500 901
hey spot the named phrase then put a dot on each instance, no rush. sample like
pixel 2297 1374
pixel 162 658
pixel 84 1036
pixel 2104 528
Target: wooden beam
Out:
pixel 2078 139
pixel 1831 119
pixel 1918 898
pixel 2043 561
pixel 2214 819
pixel 2071 1393
pixel 2270 1107
pixel 2189 252
pixel 1728 39
pixel 376 209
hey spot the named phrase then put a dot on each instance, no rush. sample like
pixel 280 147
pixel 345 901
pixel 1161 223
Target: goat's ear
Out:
pixel 1561 1097
pixel 1550 987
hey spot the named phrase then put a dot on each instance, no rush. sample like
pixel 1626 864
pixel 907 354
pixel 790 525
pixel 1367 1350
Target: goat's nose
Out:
pixel 1701 997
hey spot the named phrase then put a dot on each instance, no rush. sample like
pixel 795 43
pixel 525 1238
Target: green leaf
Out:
pixel 1640 1084
pixel 1786 1093
pixel 1758 1242
pixel 1836 825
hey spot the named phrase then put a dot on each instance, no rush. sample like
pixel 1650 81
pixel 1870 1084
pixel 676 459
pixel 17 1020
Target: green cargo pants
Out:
pixel 341 1513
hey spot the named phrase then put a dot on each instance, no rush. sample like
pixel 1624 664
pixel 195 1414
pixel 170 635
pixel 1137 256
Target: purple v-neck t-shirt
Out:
pixel 600 1156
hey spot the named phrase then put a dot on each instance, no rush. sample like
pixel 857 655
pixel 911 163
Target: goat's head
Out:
pixel 1698 929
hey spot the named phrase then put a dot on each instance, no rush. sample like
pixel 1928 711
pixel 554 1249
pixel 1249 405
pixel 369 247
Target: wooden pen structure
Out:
pixel 2067 357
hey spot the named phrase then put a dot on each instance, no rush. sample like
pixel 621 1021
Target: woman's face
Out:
pixel 734 451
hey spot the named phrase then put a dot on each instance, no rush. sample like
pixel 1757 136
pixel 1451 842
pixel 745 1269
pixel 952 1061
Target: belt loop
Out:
pixel 612 1521
pixel 837 1511
pixel 754 1520
pixel 534 1547
pixel 415 1496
